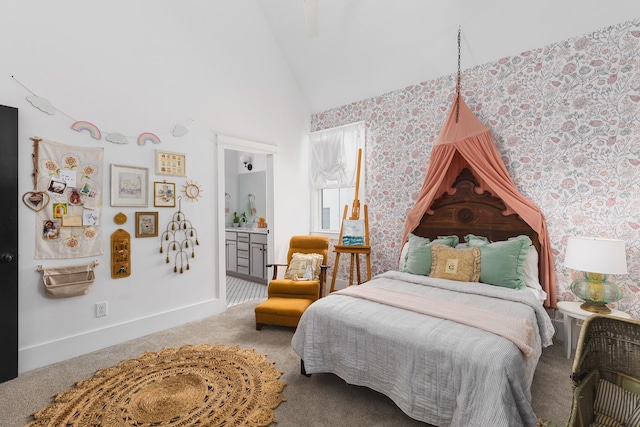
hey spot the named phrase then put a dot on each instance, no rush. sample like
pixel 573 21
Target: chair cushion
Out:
pixel 281 311
pixel 284 306
pixel 285 288
pixel 613 403
pixel 309 245
pixel 297 269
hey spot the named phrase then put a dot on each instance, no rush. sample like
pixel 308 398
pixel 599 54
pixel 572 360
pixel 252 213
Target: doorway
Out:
pixel 239 145
pixel 9 243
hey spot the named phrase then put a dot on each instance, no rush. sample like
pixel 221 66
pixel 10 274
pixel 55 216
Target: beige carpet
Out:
pixel 320 400
pixel 200 385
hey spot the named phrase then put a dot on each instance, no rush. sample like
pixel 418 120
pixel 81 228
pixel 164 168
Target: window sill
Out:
pixel 332 235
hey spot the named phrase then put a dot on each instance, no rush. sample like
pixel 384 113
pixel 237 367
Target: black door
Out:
pixel 9 243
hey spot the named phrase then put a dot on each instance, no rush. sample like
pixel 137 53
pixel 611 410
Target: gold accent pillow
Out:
pixel 298 266
pixel 455 264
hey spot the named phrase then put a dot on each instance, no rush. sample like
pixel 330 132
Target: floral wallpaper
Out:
pixel 566 119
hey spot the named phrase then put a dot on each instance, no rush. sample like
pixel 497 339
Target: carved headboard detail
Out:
pixel 467 212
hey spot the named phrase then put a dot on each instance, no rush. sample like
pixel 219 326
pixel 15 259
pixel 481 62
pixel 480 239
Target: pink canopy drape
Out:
pixel 467 143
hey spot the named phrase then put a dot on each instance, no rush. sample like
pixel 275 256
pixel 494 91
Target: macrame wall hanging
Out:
pixel 179 236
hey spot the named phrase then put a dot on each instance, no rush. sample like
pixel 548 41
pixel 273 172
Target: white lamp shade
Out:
pixel 596 255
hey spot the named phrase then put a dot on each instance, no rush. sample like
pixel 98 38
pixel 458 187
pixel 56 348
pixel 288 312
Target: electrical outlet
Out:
pixel 101 309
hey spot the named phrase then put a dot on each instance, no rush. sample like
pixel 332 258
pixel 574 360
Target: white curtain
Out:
pixel 334 155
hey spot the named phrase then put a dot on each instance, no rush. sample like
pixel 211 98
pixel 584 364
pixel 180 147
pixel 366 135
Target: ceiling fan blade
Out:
pixel 311 17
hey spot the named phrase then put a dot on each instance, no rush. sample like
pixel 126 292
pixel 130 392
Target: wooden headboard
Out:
pixel 467 212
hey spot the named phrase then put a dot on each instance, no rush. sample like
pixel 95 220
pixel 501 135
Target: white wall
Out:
pixel 132 67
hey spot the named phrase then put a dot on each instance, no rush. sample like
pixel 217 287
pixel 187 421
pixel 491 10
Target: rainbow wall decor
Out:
pixel 93 130
pixel 148 136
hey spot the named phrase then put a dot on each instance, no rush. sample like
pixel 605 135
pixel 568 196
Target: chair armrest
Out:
pixel 323 279
pixel 275 269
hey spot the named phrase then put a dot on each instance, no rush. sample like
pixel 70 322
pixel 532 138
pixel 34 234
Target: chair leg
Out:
pixel 259 326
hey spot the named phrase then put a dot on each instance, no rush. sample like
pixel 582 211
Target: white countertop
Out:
pixel 248 230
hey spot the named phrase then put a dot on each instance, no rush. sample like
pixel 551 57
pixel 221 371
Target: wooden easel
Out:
pixel 353 250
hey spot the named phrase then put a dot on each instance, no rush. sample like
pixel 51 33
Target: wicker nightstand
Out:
pixel 572 312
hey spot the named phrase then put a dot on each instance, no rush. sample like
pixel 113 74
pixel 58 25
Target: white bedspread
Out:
pixel 436 370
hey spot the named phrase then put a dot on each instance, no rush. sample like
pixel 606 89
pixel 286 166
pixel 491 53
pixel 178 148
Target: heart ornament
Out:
pixel 35 200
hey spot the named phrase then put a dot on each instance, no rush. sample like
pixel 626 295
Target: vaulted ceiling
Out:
pixel 365 48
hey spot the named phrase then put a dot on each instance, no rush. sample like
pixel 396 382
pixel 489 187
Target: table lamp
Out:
pixel 598 258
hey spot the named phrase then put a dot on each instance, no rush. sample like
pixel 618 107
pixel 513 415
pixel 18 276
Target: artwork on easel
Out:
pixel 355 229
pixel 353 232
pixel 354 237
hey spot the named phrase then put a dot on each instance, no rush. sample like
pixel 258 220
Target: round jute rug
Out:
pixel 199 385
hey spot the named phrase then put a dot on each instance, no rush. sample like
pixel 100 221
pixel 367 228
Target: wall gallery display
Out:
pixel 146 224
pixel 168 163
pixel 129 185
pixel 164 194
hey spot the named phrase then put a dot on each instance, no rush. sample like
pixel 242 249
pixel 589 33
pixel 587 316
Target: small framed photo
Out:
pixel 50 229
pixel 146 224
pixel 129 186
pixel 173 164
pixel 59 210
pixel 86 189
pixel 57 186
pixel 164 194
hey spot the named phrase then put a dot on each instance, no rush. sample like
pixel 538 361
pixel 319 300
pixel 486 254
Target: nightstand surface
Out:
pixel 571 311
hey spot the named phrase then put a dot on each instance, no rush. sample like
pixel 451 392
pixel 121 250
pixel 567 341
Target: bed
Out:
pixel 440 371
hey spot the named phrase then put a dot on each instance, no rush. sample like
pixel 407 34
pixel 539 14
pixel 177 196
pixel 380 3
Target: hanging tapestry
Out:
pixel 69 226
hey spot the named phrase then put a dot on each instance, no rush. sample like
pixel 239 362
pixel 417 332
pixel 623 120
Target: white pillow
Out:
pixel 530 271
pixel 531 276
pixel 403 256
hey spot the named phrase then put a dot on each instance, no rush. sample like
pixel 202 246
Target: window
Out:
pixel 334 163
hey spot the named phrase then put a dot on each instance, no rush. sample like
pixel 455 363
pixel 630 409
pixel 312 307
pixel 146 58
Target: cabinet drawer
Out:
pixel 243 246
pixel 243 270
pixel 230 235
pixel 243 262
pixel 243 237
pixel 258 238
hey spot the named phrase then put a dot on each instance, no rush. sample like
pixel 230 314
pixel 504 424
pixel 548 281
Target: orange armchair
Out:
pixel 287 298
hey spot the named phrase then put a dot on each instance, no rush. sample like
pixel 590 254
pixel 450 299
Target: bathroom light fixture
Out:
pixel 246 161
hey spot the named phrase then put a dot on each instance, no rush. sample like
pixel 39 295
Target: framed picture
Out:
pixel 164 194
pixel 129 186
pixel 168 163
pixel 146 224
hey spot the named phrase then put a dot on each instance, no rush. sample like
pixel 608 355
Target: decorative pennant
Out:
pixel 148 137
pixel 179 130
pixel 116 138
pixel 42 104
pixel 45 105
pixel 93 130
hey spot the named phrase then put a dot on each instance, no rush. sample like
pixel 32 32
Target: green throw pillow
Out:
pixel 502 263
pixel 479 240
pixel 418 259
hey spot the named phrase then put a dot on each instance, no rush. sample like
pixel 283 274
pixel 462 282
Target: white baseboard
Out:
pixel 46 353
